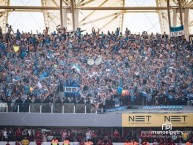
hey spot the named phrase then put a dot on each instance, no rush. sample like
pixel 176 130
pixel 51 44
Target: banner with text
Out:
pixel 176 31
pixel 155 120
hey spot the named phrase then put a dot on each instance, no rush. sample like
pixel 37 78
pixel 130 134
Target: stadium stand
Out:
pixel 114 69
pixel 62 71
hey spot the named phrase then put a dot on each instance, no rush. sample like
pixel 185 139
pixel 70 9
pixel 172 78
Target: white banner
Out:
pixel 176 31
pixel 71 89
pixel 176 34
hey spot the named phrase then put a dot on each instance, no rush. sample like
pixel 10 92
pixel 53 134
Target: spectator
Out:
pixel 27 103
pixel 116 135
pixel 17 143
pixel 54 141
pixel 189 142
pixel 25 141
pixel 7 143
pixel 130 69
pixel 66 142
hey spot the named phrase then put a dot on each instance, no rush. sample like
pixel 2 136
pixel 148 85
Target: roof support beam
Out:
pixel 101 18
pixel 5 19
pixel 55 3
pixel 92 12
pixel 110 21
pixel 30 7
pixel 85 3
pixel 160 17
pixel 43 11
pixel 73 14
pixel 91 8
pixel 122 15
pixel 168 10
pixel 130 8
pixel 61 15
pixel 189 4
pixel 66 2
pixel 186 23
pixel 126 11
pixel 180 6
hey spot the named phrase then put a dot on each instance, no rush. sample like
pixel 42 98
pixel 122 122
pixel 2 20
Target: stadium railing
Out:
pixel 48 108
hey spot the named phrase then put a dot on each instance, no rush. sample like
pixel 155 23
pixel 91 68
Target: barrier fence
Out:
pixel 84 108
pixel 48 108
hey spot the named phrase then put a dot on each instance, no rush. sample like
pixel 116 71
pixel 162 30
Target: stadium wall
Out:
pixel 97 120
pixel 58 119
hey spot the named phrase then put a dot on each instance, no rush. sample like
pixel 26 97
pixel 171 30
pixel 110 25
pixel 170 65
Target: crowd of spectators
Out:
pixel 86 134
pixel 133 69
pixel 46 135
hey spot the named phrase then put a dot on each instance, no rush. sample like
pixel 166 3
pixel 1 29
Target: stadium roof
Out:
pixel 102 14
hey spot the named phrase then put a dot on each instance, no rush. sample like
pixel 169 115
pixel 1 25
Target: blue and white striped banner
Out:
pixel 176 31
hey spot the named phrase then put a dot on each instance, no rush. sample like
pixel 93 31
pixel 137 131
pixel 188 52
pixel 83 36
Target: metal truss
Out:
pixel 91 8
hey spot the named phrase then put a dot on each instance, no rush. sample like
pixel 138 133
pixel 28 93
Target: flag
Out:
pixel 39 85
pixel 176 31
pixel 76 67
pixel 16 48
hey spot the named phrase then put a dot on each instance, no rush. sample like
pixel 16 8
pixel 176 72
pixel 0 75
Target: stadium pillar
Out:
pixel 76 17
pixel 174 17
pixel 168 10
pixel 73 14
pixel 5 19
pixel 44 13
pixel 61 14
pixel 186 23
pixel 122 16
pixel 160 17
pixel 64 12
pixel 181 18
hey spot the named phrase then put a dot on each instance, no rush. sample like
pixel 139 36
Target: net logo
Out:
pixel 137 118
pixel 167 126
pixel 175 118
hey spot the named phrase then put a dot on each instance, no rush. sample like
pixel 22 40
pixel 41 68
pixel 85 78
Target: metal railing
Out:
pixel 48 108
pixel 86 108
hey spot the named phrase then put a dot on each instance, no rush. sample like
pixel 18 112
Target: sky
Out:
pixel 25 21
pixel 136 22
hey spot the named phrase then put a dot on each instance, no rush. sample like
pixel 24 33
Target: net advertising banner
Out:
pixel 156 120
pixel 176 31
